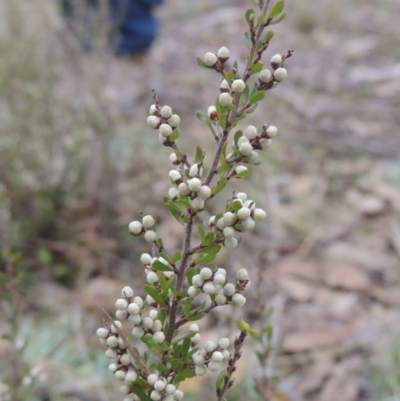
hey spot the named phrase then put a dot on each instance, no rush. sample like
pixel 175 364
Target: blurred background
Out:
pixel 77 162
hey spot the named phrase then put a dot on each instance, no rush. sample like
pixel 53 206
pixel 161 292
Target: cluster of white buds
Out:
pixel 228 91
pixel 191 187
pixel 212 60
pixel 214 283
pixel 279 72
pixel 243 220
pixel 211 356
pixel 151 273
pixel 162 389
pixel 164 120
pixel 4 392
pixel 146 227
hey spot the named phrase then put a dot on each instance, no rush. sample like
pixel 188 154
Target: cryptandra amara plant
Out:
pixel 174 281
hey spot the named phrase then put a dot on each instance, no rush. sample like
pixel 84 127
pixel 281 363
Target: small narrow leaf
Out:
pixel 220 186
pixel 176 257
pixel 222 121
pixel 175 134
pixel 256 68
pixel 157 265
pixel 205 258
pixel 257 97
pixel 277 21
pixel 202 234
pixel 248 14
pixel 184 374
pixel 201 63
pixel 201 116
pixel 242 174
pixel 138 390
pixel 247 39
pixel 277 8
pixel 220 379
pixel 199 154
pixel 185 348
pixel 154 294
pixel 237 135
pixel 211 249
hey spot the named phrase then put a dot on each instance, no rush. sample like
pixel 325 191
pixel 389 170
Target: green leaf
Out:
pixel 176 257
pixel 202 233
pixel 277 8
pixel 173 208
pixel 248 14
pixel 211 249
pixel 175 134
pixel 238 134
pixel 277 21
pixel 242 325
pixel 257 97
pixel 201 116
pixel 268 36
pixel 154 294
pixel 235 206
pixel 205 258
pixel 162 368
pixel 223 168
pixel 245 95
pixel 229 76
pixel 185 348
pixel 256 68
pixel 201 63
pixel 196 317
pixel 157 265
pixel 138 390
pixel 260 20
pixel 247 40
pixel 199 154
pixel 209 240
pixel 222 121
pixel 211 129
pixel 184 374
pixel 162 314
pixel 221 184
pixel 220 379
pixel 242 174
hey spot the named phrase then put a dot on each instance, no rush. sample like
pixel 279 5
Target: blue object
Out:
pixel 135 26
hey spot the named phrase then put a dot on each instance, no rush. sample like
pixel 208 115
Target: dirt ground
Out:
pixel 330 251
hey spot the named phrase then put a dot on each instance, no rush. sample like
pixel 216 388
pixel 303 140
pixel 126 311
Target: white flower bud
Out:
pixel 165 130
pixel 240 169
pixel 259 214
pixel 224 342
pixel 130 376
pixel 276 59
pixel 148 221
pixel 153 121
pixel 173 157
pixel 241 140
pixel 151 379
pixel 229 232
pixel 147 322
pixel 280 74
pixel 205 273
pixel 111 354
pixel 198 359
pixel 229 289
pixel 153 314
pixel 221 270
pixel 251 132
pixel 197 203
pixel 265 143
pixel 121 314
pixel 194 327
pixel 159 385
pixel 238 300
pixel 195 339
pixel 229 218
pixel 157 326
pixel 178 395
pixel 221 224
pixel 135 227
pixel 225 99
pixel 166 112
pixel 245 148
pixel 119 375
pixel 194 184
pixel 137 332
pixel 158 337
pixel 211 112
pixel 138 301
pixel 223 53
pixel 250 204
pixel 195 171
pixel 219 279
pixel 197 280
pixel 116 323
pixel 112 367
pixel 125 389
pixel 133 309
pixel 150 236
pixel 193 291
pixel 242 275
pixel 121 344
pixel 200 370
pixel 209 288
pixel 127 292
pixel 265 76
pixel 135 319
pixel 170 389
pixel 254 156
pixel 242 196
pixel 151 277
pixel 173 193
pixel 210 59
pixel 226 354
pixel 205 192
pixel 153 109
pixel 243 213
pixel 112 341
pixel 231 243
pixel 217 356
pixel 102 332
pixel 149 299
pixel 145 259
pixel 174 175
pixel 121 304
pixel 272 131
pixel 125 359
pixel 213 365
pixel 225 85
pixel 248 224
pixel 183 189
pixel 174 121
pixel 220 299
pixel 238 86
pixel 210 346
pixel 155 395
